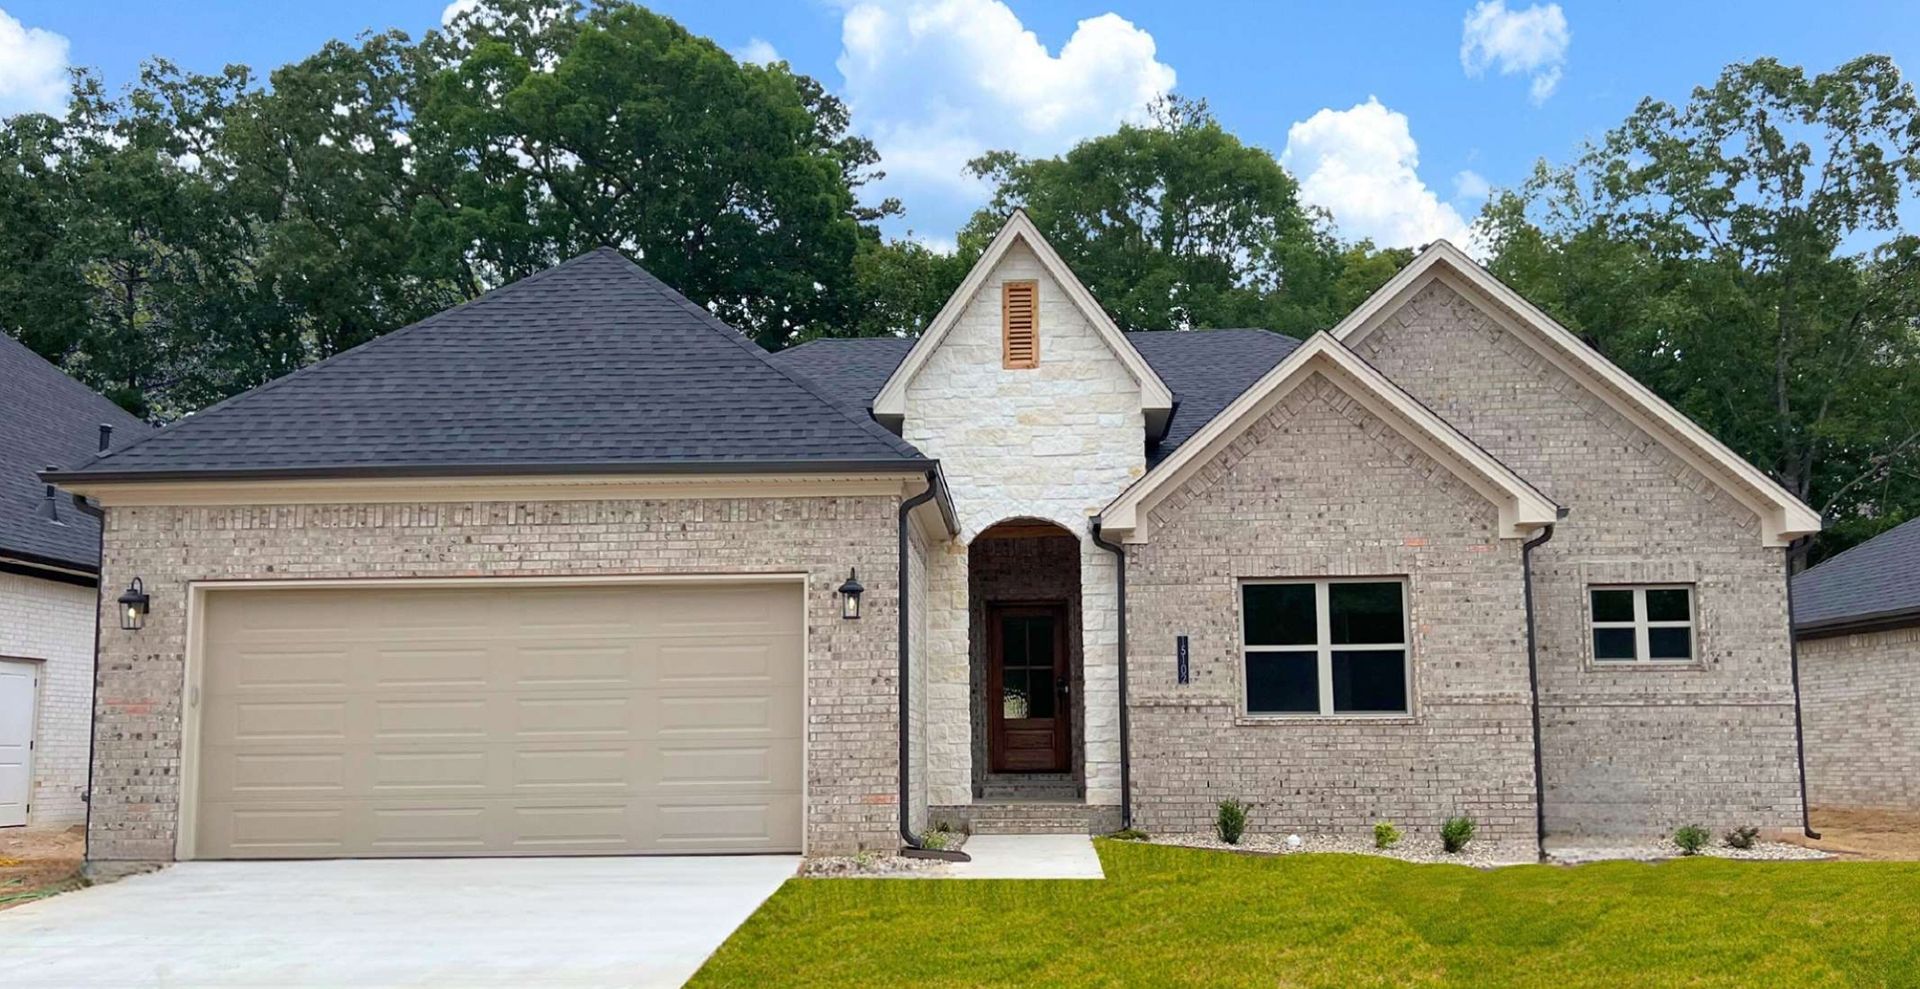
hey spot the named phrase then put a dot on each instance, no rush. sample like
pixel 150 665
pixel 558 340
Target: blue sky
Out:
pixel 1394 116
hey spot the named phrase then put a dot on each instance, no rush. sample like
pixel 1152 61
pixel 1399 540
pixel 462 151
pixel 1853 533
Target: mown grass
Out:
pixel 1184 917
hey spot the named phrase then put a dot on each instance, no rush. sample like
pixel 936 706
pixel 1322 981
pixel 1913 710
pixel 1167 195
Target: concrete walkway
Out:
pixel 1026 856
pixel 445 922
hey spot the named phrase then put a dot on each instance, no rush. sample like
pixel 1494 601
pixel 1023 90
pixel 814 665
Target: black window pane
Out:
pixel 1013 641
pixel 1279 614
pixel 1670 643
pixel 1282 682
pixel 1613 606
pixel 1369 682
pixel 1040 642
pixel 1613 643
pixel 1668 604
pixel 1365 613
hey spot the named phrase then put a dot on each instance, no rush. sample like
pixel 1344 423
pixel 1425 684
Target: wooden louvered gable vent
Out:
pixel 1020 324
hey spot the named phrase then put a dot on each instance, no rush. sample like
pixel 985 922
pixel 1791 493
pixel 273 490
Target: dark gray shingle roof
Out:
pixel 1876 580
pixel 1206 369
pixel 48 419
pixel 593 364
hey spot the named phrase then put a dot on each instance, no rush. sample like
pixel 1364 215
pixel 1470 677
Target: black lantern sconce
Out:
pixel 850 595
pixel 133 607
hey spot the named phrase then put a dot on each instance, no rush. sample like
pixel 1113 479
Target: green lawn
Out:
pixel 1182 917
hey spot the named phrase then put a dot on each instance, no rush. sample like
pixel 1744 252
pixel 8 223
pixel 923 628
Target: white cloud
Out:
pixel 937 82
pixel 33 69
pixel 453 11
pixel 1471 185
pixel 1360 164
pixel 1531 42
pixel 757 51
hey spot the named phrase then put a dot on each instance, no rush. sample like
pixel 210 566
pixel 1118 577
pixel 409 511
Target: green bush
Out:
pixel 1129 834
pixel 1742 837
pixel 1231 822
pixel 1691 838
pixel 1455 833
pixel 1385 835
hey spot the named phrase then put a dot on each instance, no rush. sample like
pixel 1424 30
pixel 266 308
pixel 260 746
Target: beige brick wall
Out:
pixel 1056 442
pixel 1320 488
pixel 851 675
pixel 52 623
pixel 1627 751
pixel 1861 698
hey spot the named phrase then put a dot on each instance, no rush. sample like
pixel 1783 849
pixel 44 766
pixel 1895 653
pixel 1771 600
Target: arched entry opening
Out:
pixel 1023 582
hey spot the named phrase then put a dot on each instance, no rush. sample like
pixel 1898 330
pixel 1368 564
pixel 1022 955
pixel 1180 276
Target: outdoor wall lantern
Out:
pixel 850 595
pixel 133 607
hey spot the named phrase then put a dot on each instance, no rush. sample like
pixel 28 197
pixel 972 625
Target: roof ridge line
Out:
pixel 720 326
pixel 265 387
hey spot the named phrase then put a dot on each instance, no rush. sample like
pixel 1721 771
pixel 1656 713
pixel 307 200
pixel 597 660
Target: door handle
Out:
pixel 1063 686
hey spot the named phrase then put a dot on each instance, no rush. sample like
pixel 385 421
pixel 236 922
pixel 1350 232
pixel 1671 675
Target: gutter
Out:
pixel 910 842
pixel 606 468
pixel 1880 621
pixel 1126 762
pixel 1799 722
pixel 1533 686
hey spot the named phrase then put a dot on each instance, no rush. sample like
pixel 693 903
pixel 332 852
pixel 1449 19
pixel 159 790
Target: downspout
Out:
pixel 1533 686
pixel 1799 730
pixel 93 673
pixel 910 842
pixel 1126 765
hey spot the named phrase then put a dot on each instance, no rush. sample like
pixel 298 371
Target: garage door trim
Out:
pixel 193 674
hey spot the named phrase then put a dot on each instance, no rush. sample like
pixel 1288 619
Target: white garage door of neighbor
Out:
pixel 500 720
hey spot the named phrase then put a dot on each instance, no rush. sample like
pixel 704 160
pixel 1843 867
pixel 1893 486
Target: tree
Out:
pixel 1721 252
pixel 1175 224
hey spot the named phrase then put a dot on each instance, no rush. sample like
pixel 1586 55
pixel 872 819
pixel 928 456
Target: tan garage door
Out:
pixel 500 720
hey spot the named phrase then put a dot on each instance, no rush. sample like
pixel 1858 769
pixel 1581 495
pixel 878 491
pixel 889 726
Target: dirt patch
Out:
pixel 1882 835
pixel 36 863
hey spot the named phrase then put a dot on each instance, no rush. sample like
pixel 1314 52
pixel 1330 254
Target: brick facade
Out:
pixel 1320 488
pixel 1861 698
pixel 851 677
pixel 52 623
pixel 1626 751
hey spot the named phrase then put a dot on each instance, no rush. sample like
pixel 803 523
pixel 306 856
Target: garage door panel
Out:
pixel 501 720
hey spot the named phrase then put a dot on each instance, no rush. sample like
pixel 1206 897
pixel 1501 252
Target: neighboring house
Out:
pixel 49 562
pixel 566 570
pixel 1857 619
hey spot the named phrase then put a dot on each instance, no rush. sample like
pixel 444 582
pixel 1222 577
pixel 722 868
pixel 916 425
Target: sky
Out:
pixel 1397 118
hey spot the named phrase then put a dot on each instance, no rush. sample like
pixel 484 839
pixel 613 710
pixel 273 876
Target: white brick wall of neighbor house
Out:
pixel 52 624
pixel 1861 698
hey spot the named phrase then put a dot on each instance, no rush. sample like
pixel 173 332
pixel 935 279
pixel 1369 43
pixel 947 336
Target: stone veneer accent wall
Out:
pixel 1626 750
pixel 1024 569
pixel 852 708
pixel 1860 695
pixel 52 622
pixel 1320 488
pixel 1057 442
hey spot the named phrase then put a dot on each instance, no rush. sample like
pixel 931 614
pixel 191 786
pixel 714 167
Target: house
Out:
pixel 1857 621
pixel 576 568
pixel 49 569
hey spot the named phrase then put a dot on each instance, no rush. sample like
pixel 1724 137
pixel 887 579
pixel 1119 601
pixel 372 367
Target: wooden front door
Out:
pixel 1027 688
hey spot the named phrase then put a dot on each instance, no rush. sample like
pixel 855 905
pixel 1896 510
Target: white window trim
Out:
pixel 1323 648
pixel 1642 651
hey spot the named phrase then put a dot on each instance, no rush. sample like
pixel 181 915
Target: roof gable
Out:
pixel 1522 507
pixel 593 365
pixel 49 419
pixel 1156 399
pixel 1783 517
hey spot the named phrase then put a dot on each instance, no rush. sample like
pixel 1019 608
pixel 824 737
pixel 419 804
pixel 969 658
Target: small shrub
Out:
pixel 1129 834
pixel 1742 837
pixel 1691 838
pixel 1231 822
pixel 1455 833
pixel 936 840
pixel 1385 835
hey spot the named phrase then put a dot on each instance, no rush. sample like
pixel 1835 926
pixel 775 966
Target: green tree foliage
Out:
pixel 201 235
pixel 1741 255
pixel 1176 224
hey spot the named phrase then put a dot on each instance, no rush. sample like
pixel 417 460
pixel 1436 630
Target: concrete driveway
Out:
pixel 443 922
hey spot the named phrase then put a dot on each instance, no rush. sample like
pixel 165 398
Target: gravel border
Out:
pixel 1663 849
pixel 864 866
pixel 1424 849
